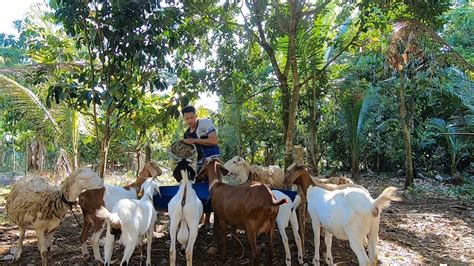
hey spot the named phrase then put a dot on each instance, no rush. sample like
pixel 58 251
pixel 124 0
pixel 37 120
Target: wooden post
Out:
pixel 298 157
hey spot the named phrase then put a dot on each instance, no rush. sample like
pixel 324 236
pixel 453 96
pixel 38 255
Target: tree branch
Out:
pixel 266 47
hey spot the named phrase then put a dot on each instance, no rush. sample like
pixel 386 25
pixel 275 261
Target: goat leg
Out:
pixel 42 247
pixel 252 237
pixel 270 244
pixel 83 238
pixel 328 242
pixel 95 240
pixel 19 245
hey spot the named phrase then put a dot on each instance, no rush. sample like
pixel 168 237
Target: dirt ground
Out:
pixel 425 228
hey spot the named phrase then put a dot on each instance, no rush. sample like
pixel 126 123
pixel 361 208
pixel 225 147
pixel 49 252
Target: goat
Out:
pixel 92 200
pixel 272 175
pixel 349 213
pixel 33 203
pixel 185 210
pixel 250 205
pixel 135 218
pixel 286 212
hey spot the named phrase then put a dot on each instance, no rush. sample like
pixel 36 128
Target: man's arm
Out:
pixel 211 140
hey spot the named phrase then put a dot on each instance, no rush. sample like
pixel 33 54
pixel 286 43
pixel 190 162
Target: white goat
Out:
pixel 287 213
pixel 135 218
pixel 349 214
pixel 185 210
pixel 272 175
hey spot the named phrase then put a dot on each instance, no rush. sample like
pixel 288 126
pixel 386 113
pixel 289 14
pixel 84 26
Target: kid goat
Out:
pixel 92 200
pixel 135 218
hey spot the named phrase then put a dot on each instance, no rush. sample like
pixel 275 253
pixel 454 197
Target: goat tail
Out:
pixel 103 213
pixel 296 202
pixel 280 202
pixel 383 201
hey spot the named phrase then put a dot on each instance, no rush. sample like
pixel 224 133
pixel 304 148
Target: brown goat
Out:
pixel 250 206
pixel 299 175
pixel 92 200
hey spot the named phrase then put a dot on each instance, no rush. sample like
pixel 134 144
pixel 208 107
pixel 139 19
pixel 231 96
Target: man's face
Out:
pixel 190 119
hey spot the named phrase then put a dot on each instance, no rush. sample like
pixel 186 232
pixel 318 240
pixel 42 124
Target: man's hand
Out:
pixel 190 141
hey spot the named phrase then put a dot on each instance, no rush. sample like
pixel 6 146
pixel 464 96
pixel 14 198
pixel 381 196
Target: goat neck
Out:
pixel 304 181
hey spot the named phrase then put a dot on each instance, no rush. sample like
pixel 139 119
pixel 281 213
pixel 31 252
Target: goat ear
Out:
pixel 153 172
pixel 224 170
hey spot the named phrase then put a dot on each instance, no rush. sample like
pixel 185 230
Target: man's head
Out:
pixel 189 115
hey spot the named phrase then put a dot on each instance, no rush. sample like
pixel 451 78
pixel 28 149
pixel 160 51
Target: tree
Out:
pixel 410 52
pixel 127 44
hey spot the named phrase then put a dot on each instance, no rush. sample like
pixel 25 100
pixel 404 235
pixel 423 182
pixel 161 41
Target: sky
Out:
pixel 12 10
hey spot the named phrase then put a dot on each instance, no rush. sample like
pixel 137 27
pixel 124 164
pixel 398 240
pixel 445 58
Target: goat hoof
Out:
pixel 212 250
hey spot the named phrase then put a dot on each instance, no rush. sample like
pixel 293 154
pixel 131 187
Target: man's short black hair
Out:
pixel 188 109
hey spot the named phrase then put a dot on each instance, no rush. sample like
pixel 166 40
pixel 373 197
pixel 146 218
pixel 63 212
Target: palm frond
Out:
pixel 404 38
pixel 364 108
pixel 21 98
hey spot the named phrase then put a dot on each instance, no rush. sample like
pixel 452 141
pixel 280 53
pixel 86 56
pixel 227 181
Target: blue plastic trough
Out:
pixel 168 192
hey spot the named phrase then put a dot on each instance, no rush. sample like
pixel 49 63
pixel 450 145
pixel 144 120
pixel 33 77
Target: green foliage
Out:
pixel 11 50
pixel 448 132
pixel 122 70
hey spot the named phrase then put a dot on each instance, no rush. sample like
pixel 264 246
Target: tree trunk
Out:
pixel 314 150
pixel 35 156
pixel 14 156
pixel 40 156
pixel 63 167
pixel 75 138
pixel 406 135
pixel 138 157
pixel 2 153
pixel 354 163
pixel 2 157
pixel 75 159
pixel 294 8
pixel 453 164
pixel 147 153
pixel 103 153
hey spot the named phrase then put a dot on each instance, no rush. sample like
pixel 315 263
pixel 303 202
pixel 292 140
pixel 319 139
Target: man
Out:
pixel 203 134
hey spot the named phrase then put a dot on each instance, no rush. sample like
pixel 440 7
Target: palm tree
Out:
pixel 408 53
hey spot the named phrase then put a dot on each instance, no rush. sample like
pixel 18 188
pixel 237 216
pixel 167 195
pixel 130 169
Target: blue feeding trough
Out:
pixel 168 192
pixel 202 191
